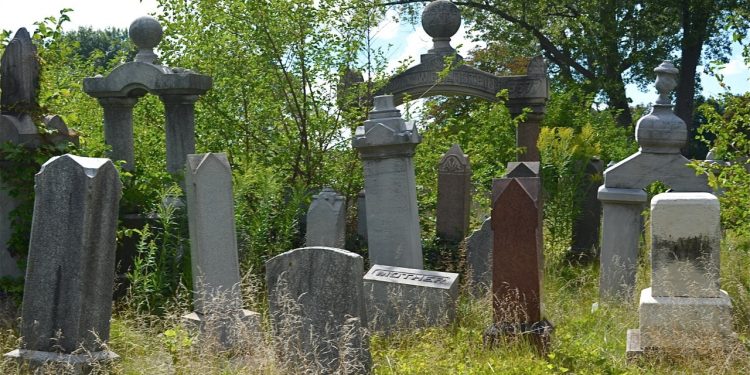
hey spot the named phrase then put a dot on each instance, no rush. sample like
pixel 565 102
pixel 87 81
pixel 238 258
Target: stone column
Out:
pixel 67 304
pixel 326 220
pixel 217 296
pixel 621 232
pixel 118 129
pixel 454 195
pixel 180 129
pixel 386 145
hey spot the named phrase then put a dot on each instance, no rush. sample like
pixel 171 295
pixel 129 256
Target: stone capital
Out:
pixel 622 196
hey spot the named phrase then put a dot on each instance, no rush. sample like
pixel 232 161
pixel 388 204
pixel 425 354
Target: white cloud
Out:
pixel 735 66
pixel 388 28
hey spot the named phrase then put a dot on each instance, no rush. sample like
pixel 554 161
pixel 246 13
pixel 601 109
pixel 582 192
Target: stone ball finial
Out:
pixel 441 19
pixel 666 81
pixel 146 33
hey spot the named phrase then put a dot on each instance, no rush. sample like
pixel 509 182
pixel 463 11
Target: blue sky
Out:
pixel 399 40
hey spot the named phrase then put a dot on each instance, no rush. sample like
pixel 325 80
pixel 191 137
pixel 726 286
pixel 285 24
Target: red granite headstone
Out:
pixel 517 258
pixel 454 195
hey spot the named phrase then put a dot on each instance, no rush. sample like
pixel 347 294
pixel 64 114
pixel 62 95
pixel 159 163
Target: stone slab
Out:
pixel 479 258
pixel 684 322
pixel 326 220
pixel 402 298
pixel 685 245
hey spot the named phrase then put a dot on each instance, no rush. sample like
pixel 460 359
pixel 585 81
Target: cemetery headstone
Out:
pixel 517 261
pixel 404 298
pixel 454 195
pixel 386 145
pixel 585 240
pixel 362 215
pixel 479 258
pixel 67 302
pixel 684 309
pixel 317 308
pixel 19 86
pixel 217 296
pixel 119 91
pixel 326 220
pixel 441 20
pixel 660 135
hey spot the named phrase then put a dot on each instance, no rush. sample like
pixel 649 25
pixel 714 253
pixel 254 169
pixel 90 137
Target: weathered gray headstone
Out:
pixel 19 76
pixel 402 298
pixel 67 302
pixel 362 215
pixel 318 309
pixel 178 89
pixel 386 146
pixel 217 296
pixel 684 309
pixel 479 258
pixel 660 135
pixel 454 195
pixel 326 220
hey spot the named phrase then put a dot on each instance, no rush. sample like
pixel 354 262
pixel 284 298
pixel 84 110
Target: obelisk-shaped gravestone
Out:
pixel 317 307
pixel 517 261
pixel 326 220
pixel 454 195
pixel 217 297
pixel 67 302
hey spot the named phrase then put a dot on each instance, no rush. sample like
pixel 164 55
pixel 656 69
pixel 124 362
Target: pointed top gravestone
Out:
pixel 19 76
pixel 454 195
pixel 522 169
pixel 326 220
pixel 67 302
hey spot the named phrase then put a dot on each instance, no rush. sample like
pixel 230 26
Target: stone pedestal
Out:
pixel 621 233
pixel 386 145
pixel 326 220
pixel 454 195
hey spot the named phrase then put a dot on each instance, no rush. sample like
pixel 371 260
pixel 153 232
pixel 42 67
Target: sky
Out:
pixel 400 40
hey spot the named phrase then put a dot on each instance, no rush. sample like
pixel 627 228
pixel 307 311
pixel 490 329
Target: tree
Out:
pixel 606 44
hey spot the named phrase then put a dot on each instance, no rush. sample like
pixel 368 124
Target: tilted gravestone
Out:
pixel 660 135
pixel 119 91
pixel 517 261
pixel 19 87
pixel 454 195
pixel 479 258
pixel 217 295
pixel 441 20
pixel 67 302
pixel 318 309
pixel 402 298
pixel 684 309
pixel 326 220
pixel 386 146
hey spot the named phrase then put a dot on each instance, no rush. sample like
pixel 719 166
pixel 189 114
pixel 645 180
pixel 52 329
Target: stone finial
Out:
pixel 661 131
pixel 441 20
pixel 146 33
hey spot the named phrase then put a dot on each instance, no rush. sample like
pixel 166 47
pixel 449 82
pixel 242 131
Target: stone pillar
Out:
pixel 386 145
pixel 217 295
pixel 180 129
pixel 317 307
pixel 67 304
pixel 326 220
pixel 527 135
pixel 621 232
pixel 118 129
pixel 684 309
pixel 454 195
pixel 517 260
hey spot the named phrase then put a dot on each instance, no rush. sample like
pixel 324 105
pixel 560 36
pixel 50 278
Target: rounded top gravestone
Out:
pixel 441 19
pixel 146 33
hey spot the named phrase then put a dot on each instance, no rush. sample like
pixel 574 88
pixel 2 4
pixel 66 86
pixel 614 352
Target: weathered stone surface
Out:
pixel 522 169
pixel 19 76
pixel 362 215
pixel 400 298
pixel 326 220
pixel 178 89
pixel 685 240
pixel 585 241
pixel 69 277
pixel 517 261
pixel 317 308
pixel 479 258
pixel 660 135
pixel 454 195
pixel 386 145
